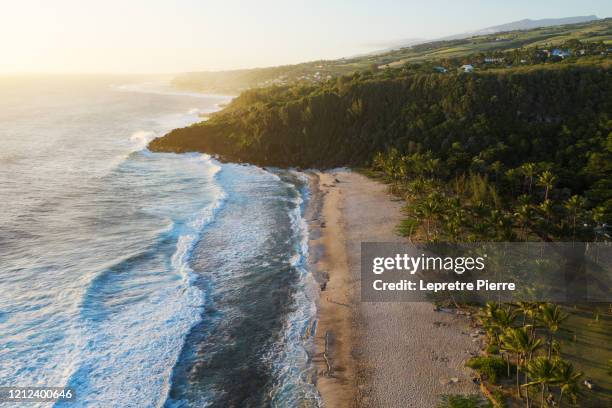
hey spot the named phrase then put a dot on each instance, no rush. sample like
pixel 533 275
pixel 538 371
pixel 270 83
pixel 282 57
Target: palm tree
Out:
pixel 504 318
pixel 489 320
pixel 431 166
pixel 547 209
pixel 403 169
pixel 542 373
pixel 520 342
pixel 551 316
pixel 510 344
pixel 547 180
pixel 527 309
pixel 567 380
pixel 574 205
pixel 528 170
pixel 499 320
pixel 378 162
pixel 501 225
pixel 427 209
pixel 512 175
pixel 454 218
pixel 496 167
pixel 524 213
pixel 489 310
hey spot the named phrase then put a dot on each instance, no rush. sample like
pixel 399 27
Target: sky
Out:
pixel 168 36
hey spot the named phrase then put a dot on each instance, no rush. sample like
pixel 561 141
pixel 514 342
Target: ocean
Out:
pixel 145 279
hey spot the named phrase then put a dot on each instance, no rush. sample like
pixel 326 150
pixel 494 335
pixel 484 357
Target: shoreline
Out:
pixel 334 338
pixel 380 354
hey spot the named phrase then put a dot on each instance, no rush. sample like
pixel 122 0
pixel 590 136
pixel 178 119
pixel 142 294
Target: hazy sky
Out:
pixel 185 35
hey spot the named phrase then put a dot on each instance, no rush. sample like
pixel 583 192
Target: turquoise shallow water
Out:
pixel 144 279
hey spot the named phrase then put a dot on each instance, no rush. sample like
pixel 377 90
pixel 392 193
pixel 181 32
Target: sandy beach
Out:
pixel 376 354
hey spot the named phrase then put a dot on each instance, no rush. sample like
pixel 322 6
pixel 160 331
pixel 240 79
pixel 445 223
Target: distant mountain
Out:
pixel 525 24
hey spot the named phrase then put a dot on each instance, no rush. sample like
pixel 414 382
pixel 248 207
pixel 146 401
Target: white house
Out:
pixel 467 68
pixel 560 53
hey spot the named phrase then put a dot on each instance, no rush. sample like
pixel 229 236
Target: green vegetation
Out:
pixel 490 367
pixel 499 154
pixel 540 340
pixel 462 401
pixel 517 153
pixel 515 47
pixel 239 80
pixel 584 340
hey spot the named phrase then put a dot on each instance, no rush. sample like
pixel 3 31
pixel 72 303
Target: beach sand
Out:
pixel 380 354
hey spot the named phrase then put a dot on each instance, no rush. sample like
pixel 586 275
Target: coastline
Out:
pixel 334 338
pixel 380 354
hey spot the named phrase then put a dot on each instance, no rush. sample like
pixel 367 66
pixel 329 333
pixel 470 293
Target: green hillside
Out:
pixel 557 114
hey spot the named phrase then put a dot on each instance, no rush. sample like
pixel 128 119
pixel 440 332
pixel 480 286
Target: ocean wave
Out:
pixel 193 230
pixel 290 357
pixel 141 138
pixel 184 249
pixel 91 295
pixel 135 316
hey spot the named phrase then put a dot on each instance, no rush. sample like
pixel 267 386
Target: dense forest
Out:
pixel 554 118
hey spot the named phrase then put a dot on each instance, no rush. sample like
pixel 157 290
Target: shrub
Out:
pixel 499 398
pixel 462 401
pixel 492 367
pixel 407 227
pixel 492 349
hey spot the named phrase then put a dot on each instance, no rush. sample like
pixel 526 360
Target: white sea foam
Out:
pixel 129 356
pixel 141 139
pixel 95 287
pixel 289 358
pixel 184 248
pixel 191 233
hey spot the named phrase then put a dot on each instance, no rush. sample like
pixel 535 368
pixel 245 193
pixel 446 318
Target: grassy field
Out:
pixel 541 37
pixel 587 343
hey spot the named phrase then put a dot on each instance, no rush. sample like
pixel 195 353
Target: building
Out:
pixel 467 68
pixel 557 52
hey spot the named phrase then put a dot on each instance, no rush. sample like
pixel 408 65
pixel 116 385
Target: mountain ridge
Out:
pixel 524 24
